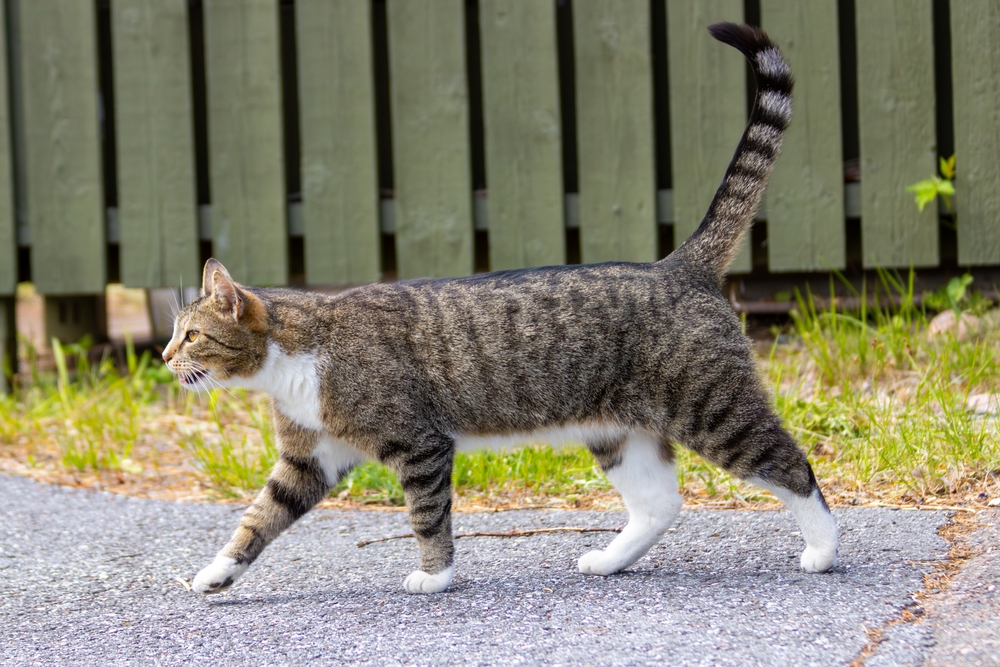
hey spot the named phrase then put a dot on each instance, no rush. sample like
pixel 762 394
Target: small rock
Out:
pixel 994 502
pixel 984 404
pixel 958 326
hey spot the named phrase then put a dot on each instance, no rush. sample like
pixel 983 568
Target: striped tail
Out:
pixel 716 241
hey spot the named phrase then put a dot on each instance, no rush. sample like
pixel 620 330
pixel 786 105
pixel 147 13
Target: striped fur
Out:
pixel 717 240
pixel 628 358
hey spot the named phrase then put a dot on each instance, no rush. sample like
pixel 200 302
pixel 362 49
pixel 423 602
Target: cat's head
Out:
pixel 220 338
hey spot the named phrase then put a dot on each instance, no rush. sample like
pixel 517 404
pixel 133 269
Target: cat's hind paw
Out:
pixel 218 576
pixel 419 582
pixel 816 560
pixel 599 562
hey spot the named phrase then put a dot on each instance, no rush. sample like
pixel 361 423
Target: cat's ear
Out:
pixel 207 276
pixel 224 290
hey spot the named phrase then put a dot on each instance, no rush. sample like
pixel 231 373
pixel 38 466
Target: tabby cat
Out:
pixel 626 358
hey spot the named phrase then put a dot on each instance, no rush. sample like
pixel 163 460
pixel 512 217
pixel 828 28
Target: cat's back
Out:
pixel 615 287
pixel 544 317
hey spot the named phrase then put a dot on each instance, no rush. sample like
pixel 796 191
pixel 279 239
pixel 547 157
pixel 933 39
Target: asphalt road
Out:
pixel 92 578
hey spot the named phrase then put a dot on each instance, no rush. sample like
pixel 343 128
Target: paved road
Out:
pixel 89 578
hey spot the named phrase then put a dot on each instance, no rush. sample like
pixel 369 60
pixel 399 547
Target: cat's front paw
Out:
pixel 218 576
pixel 818 560
pixel 419 582
pixel 598 562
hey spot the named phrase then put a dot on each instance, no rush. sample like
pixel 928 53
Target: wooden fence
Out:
pixel 346 141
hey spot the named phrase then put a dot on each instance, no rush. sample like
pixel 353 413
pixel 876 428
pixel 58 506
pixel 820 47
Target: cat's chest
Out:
pixel 293 382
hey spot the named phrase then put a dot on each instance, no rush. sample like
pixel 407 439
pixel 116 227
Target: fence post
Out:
pixel 339 172
pixel 975 66
pixel 8 342
pixel 897 134
pixel 430 138
pixel 614 103
pixel 523 134
pixel 708 109
pixel 156 174
pixel 246 139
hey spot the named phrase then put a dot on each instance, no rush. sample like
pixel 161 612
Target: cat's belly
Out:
pixel 568 434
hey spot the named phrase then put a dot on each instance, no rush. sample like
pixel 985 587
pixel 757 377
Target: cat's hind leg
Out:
pixel 424 471
pixel 309 464
pixel 642 469
pixel 760 451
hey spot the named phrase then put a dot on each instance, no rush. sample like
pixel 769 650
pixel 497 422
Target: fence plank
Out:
pixel 614 102
pixel 8 342
pixel 62 146
pixel 805 198
pixel 523 136
pixel 245 132
pixel 8 226
pixel 336 107
pixel 156 188
pixel 430 136
pixel 708 109
pixel 975 43
pixel 896 125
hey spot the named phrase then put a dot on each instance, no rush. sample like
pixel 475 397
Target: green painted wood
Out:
pixel 157 208
pixel 246 151
pixel 430 137
pixel 336 108
pixel 805 198
pixel 62 146
pixel 8 221
pixel 897 136
pixel 614 102
pixel 708 109
pixel 975 44
pixel 523 134
pixel 8 342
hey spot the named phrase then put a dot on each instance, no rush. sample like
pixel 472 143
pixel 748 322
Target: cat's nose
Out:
pixel 166 357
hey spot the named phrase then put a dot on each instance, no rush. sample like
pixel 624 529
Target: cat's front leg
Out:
pixel 309 464
pixel 425 474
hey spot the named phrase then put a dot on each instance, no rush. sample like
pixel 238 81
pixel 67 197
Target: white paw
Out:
pixel 599 562
pixel 818 560
pixel 218 576
pixel 419 581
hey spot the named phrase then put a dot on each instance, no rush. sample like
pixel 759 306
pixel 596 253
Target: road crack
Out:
pixel 955 532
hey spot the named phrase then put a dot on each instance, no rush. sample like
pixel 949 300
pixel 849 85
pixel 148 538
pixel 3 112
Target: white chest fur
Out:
pixel 293 382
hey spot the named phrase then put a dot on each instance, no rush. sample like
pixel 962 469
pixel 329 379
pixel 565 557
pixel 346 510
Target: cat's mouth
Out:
pixel 192 378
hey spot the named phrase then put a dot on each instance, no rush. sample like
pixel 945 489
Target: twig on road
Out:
pixel 509 533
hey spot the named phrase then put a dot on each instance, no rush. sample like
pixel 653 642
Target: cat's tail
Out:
pixel 716 241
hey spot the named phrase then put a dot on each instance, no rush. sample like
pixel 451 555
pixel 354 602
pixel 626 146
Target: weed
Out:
pixel 927 190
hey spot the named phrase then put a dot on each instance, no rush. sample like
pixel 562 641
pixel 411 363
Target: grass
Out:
pixel 881 406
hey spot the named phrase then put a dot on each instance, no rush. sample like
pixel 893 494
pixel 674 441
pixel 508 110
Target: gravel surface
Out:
pixel 92 578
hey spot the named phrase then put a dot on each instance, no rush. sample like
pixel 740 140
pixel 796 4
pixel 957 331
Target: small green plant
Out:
pixel 953 295
pixel 928 190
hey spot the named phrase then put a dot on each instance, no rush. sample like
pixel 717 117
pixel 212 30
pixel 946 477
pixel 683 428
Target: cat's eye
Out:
pixel 192 336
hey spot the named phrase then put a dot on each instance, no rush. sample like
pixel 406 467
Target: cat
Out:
pixel 626 358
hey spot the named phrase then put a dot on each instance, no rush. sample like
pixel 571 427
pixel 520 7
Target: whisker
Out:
pixel 218 384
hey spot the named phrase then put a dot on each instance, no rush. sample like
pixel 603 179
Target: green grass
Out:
pixel 94 413
pixel 880 406
pixel 532 470
pixel 234 465
pixel 884 401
